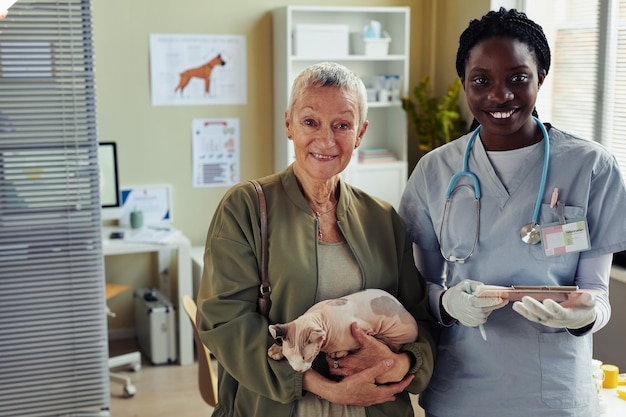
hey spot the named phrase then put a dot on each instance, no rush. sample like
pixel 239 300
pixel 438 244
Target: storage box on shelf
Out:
pixel 295 50
pixel 370 46
pixel 320 40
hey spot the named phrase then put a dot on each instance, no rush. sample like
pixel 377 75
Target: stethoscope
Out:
pixel 530 233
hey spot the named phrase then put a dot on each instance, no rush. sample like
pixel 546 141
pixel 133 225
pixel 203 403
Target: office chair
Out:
pixel 132 359
pixel 207 380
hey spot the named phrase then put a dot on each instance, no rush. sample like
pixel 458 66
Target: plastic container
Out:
pixel 393 84
pixel 370 46
pixel 377 47
pixel 597 374
pixel 610 375
pixel 321 41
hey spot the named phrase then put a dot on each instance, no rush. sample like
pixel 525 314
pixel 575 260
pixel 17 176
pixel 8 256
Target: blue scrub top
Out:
pixel 523 368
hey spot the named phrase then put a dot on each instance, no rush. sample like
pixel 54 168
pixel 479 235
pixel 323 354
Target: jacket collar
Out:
pixel 292 188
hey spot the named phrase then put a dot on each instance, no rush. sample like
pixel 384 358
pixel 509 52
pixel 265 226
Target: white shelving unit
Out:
pixel 387 128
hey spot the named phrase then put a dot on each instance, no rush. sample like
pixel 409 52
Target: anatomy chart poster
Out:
pixel 215 152
pixel 191 70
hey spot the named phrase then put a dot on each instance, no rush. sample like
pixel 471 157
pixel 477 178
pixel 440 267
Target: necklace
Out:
pixel 317 217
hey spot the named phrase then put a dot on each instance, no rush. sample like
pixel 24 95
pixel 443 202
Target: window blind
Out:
pixel 618 129
pixel 589 70
pixel 53 341
pixel 574 69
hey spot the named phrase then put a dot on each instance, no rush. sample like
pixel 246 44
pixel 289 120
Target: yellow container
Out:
pixel 611 373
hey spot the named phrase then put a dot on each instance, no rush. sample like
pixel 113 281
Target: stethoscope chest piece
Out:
pixel 530 233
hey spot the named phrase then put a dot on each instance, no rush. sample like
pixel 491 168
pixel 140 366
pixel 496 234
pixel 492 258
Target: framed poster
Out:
pixel 198 69
pixel 154 201
pixel 215 152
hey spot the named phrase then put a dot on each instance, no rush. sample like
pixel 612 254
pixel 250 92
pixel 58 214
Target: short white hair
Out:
pixel 330 74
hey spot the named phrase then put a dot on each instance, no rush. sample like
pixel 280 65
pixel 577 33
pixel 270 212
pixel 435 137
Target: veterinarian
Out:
pixel 486 209
pixel 326 240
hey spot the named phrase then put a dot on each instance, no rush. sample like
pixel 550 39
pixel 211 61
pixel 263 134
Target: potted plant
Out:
pixel 436 121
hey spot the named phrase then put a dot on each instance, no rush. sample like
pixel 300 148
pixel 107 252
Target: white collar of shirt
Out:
pixel 507 163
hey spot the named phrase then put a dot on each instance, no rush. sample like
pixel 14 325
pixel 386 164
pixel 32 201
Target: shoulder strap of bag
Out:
pixel 264 302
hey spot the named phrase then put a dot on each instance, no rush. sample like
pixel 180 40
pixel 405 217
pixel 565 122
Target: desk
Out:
pixel 616 407
pixel 182 246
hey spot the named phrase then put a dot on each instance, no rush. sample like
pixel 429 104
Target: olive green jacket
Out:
pixel 250 383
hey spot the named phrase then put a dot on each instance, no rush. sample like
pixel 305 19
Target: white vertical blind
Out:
pixel 618 133
pixel 589 70
pixel 53 341
pixel 574 69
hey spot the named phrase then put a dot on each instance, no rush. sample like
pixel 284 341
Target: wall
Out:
pixel 609 342
pixel 442 23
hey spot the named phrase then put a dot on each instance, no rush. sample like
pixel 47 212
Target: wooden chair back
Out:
pixel 207 379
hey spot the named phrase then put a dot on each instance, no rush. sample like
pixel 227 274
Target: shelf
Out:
pixel 378 165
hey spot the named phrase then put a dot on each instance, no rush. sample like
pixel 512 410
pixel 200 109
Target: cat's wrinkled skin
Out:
pixel 325 327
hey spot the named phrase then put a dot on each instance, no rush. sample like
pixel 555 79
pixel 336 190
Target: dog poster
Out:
pixel 191 70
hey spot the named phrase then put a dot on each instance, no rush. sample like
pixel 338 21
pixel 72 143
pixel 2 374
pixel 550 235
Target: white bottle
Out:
pixel 598 376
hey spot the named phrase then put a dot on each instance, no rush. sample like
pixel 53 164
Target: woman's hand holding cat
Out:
pixel 371 353
pixel 359 389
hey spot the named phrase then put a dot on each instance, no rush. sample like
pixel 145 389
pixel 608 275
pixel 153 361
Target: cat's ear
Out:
pixel 317 336
pixel 278 331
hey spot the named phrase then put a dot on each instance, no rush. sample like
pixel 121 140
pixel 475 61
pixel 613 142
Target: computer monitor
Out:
pixel 110 200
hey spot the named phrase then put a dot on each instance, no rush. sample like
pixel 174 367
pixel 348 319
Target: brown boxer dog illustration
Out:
pixel 203 72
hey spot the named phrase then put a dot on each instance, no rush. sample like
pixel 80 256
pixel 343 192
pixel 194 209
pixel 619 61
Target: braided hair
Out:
pixel 503 23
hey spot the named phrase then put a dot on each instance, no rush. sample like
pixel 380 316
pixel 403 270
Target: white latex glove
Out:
pixel 550 313
pixel 468 309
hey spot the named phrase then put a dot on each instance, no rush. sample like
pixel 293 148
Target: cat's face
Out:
pixel 301 342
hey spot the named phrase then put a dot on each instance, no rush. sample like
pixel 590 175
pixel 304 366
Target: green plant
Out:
pixel 436 121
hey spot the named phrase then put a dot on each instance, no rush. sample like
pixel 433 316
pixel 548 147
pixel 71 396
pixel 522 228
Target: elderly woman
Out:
pixel 326 240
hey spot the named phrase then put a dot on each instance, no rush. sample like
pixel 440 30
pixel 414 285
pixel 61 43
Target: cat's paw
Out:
pixel 339 355
pixel 275 352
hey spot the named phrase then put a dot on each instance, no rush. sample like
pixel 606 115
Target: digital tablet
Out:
pixel 538 292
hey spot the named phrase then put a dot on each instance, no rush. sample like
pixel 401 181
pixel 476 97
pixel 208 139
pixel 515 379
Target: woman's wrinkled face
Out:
pixel 501 85
pixel 324 128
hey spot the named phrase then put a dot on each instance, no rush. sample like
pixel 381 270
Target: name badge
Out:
pixel 558 239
